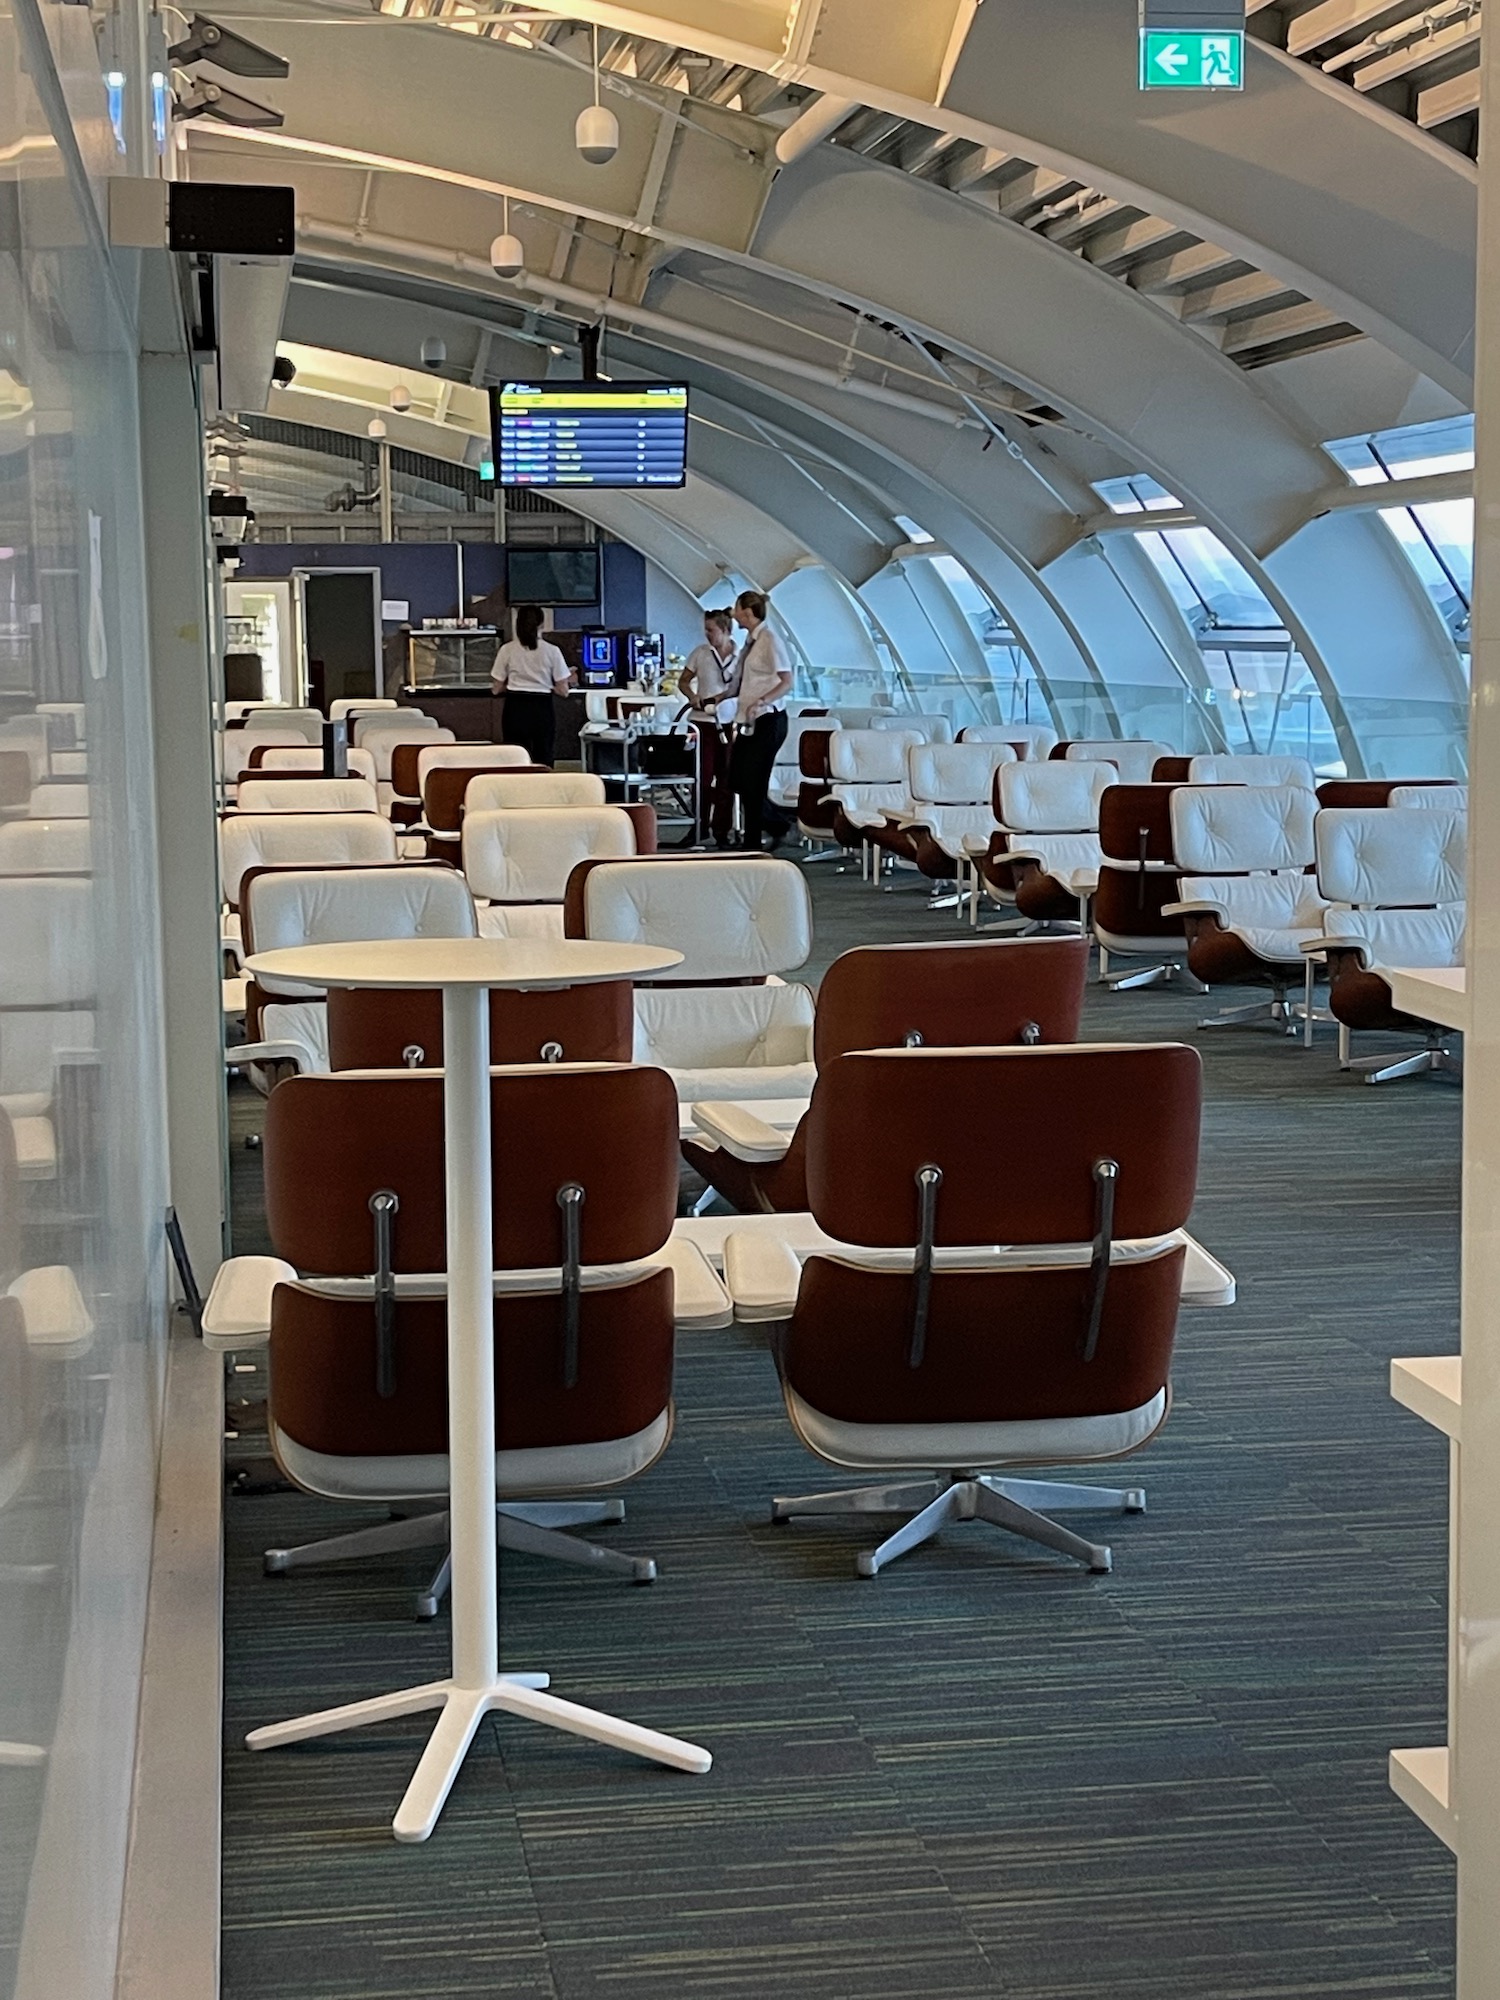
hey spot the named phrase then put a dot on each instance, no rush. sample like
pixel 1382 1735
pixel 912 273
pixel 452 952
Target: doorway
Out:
pixel 340 633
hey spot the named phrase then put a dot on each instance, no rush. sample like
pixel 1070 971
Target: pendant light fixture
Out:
pixel 597 133
pixel 506 252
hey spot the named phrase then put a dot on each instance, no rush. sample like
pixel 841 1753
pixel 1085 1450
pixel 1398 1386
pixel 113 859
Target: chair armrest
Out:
pixel 57 1320
pixel 763 1274
pixel 737 1129
pixel 262 1052
pixel 1195 910
pixel 1205 1281
pixel 237 1312
pixel 1322 947
pixel 700 1304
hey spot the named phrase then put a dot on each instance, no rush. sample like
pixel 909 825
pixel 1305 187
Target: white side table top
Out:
pixel 1437 993
pixel 493 962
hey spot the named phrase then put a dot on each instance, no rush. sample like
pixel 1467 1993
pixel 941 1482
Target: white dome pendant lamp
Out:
pixel 597 133
pixel 506 252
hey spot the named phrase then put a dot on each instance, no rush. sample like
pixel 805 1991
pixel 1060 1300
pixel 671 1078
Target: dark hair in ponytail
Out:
pixel 528 625
pixel 755 603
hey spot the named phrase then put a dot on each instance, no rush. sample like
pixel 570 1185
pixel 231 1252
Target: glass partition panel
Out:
pixel 83 1294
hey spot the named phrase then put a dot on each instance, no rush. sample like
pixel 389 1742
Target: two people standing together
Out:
pixel 737 699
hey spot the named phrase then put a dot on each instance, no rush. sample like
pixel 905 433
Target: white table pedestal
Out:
pixel 476 1686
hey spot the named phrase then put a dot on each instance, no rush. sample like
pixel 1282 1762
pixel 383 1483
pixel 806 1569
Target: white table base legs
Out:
pixel 463 1709
pixel 476 1686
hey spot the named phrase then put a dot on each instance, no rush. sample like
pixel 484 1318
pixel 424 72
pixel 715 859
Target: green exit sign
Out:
pixel 1192 59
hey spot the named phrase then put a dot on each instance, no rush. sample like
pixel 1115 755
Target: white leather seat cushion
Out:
pixel 1053 797
pixel 1134 759
pixel 870 756
pixel 299 840
pixel 303 757
pixel 47 923
pixel 232 749
pixel 958 830
pixel 954 774
pixel 931 728
pixel 868 805
pixel 499 920
pixel 1036 743
pixel 1061 854
pixel 353 905
pixel 725 1029
pixel 1446 798
pixel 59 802
pixel 1373 855
pixel 45 847
pixel 536 789
pixel 1274 914
pixel 923 1447
pixel 1403 937
pixel 731 919
pixel 303 1024
pixel 533 1473
pixel 525 855
pixel 382 739
pixel 1252 771
pixel 469 756
pixel 306 795
pixel 1217 829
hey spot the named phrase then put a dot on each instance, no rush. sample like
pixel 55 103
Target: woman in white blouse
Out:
pixel 710 676
pixel 765 683
pixel 527 670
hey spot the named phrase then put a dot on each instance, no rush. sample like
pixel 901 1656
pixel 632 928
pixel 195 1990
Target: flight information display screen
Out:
pixel 620 434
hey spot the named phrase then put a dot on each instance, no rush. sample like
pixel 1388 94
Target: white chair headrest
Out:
pixel 45 847
pixel 1445 798
pixel 1242 829
pixel 415 719
pixel 307 722
pixel 1134 759
pixel 1053 796
pixel 929 728
pixel 303 757
pixel 306 795
pixel 870 756
pixel 1251 771
pixel 355 906
pixel 525 855
pixel 382 743
pixel 958 774
pixel 740 918
pixel 47 922
pixel 299 840
pixel 348 705
pixel 1034 740
pixel 531 789
pixel 469 756
pixel 1373 856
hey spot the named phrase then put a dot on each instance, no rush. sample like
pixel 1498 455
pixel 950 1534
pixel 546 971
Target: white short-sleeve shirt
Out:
pixel 529 670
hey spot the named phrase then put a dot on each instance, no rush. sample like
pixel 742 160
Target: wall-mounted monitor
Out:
pixel 603 434
pixel 552 576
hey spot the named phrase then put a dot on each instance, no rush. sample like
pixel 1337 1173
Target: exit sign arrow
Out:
pixel 1192 59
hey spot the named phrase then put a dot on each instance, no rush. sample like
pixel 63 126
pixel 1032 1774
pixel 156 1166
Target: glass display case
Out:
pixel 452 659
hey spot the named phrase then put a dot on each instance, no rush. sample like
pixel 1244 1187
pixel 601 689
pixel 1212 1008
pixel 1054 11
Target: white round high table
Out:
pixel 466 969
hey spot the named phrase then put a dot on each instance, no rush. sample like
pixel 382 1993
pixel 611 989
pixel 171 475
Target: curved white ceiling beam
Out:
pixel 852 437
pixel 1302 176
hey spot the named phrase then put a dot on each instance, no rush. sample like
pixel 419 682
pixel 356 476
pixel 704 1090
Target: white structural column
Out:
pixel 1474 1729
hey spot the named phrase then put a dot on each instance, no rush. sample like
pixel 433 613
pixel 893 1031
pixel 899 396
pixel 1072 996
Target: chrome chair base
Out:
pixel 1164 972
pixel 530 1525
pixel 1434 1059
pixel 1277 1012
pixel 968 1496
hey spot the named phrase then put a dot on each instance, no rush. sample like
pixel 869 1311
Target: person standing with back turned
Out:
pixel 765 683
pixel 526 671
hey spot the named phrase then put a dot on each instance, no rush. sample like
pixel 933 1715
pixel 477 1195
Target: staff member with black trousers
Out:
pixel 765 683
pixel 526 671
pixel 710 676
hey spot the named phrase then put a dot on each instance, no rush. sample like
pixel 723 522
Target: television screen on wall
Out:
pixel 602 434
pixel 552 576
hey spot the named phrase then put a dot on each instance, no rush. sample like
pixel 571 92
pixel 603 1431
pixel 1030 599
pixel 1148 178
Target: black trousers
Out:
pixel 750 775
pixel 528 719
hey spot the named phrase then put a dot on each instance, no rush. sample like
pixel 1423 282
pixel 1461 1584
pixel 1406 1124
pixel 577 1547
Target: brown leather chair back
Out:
pixel 1135 827
pixel 1059 750
pixel 1368 791
pixel 333 1141
pixel 445 784
pixel 959 995
pixel 1017 1135
pixel 1135 822
pixel 812 753
pixel 369 1029
pixel 1171 770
